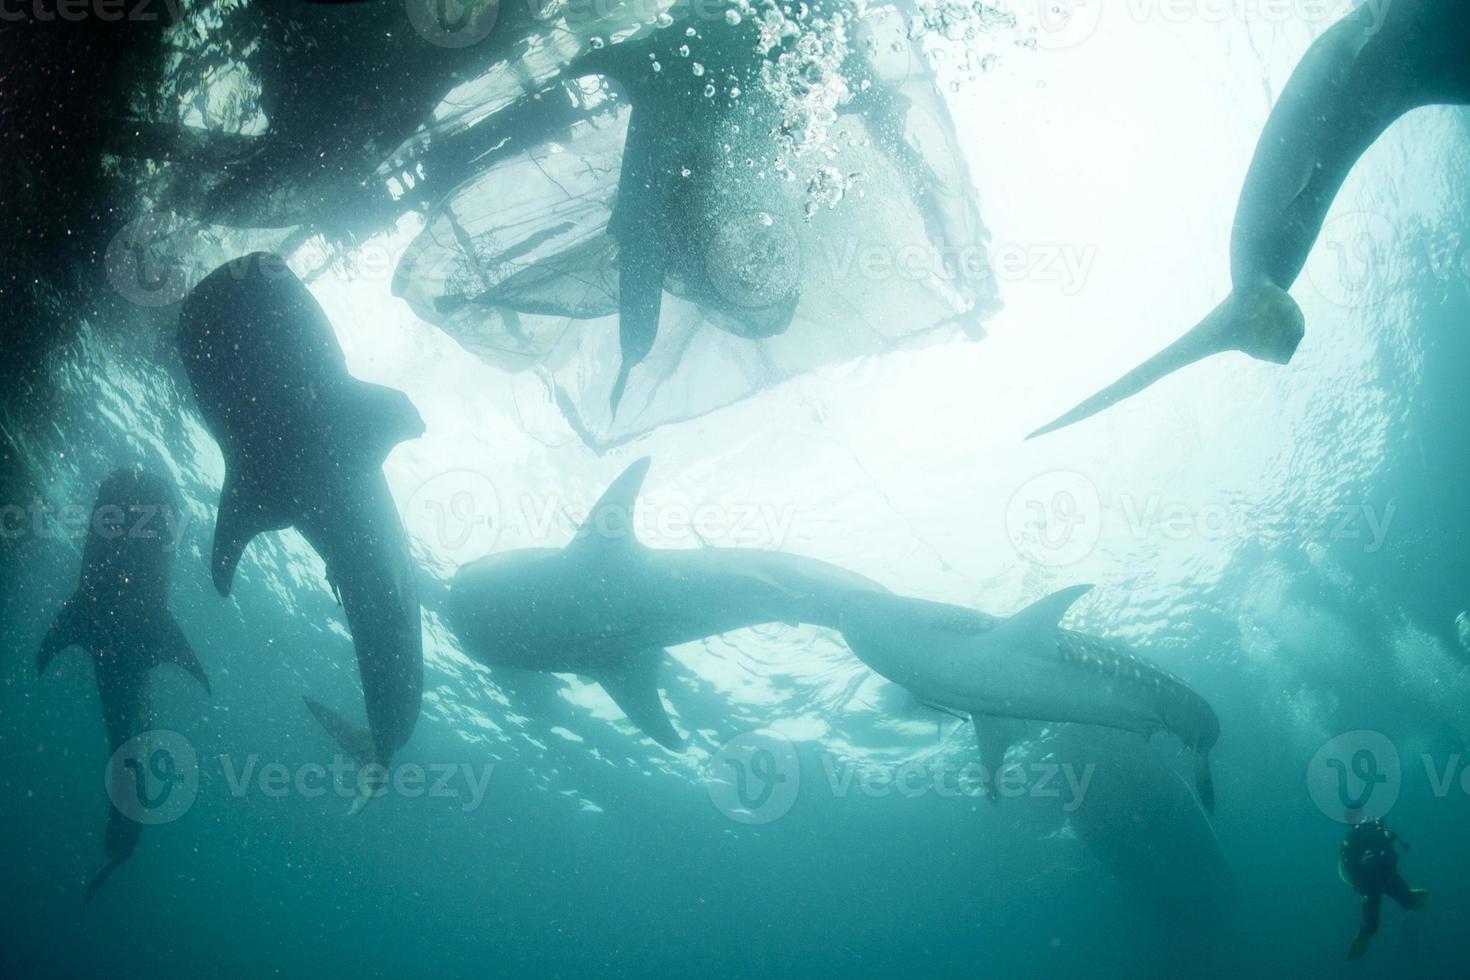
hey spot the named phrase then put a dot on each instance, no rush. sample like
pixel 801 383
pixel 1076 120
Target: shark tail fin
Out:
pixel 355 741
pixel 634 686
pixel 71 627
pixel 174 649
pixel 1262 321
pixel 1204 782
pixel 100 878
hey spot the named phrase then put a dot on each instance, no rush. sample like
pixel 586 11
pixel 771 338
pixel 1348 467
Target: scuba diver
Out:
pixel 1368 861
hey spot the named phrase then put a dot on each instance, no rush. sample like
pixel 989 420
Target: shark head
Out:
pixel 129 552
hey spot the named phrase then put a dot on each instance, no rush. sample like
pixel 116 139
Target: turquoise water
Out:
pixel 1289 541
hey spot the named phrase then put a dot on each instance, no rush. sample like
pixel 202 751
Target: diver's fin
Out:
pixel 1204 783
pixel 100 878
pixel 634 686
pixel 610 522
pixel 1359 945
pixel 1420 897
pixel 355 741
pixel 173 648
pixel 380 419
pixel 995 735
pixel 72 627
pixel 1262 321
pixel 1043 616
pixel 242 515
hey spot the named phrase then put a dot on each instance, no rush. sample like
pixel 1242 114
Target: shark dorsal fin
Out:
pixel 610 522
pixel 633 684
pixel 1038 623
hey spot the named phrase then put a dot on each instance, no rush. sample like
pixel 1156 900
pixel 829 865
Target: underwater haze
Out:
pixel 1291 543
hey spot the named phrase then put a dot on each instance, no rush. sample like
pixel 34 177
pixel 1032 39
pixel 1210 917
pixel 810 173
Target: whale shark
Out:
pixel 304 444
pixel 676 192
pixel 606 605
pixel 1137 809
pixel 1367 70
pixel 119 615
pixel 1025 667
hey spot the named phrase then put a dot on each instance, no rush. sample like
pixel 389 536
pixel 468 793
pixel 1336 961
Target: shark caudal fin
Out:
pixel 244 512
pixel 72 627
pixel 1262 321
pixel 634 686
pixel 356 741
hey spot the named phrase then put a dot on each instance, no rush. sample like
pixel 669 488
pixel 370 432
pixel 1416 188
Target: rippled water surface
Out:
pixel 1289 541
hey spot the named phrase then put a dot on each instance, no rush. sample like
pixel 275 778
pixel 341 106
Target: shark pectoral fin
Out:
pixel 173 648
pixel 242 515
pixel 382 418
pixel 1204 782
pixel 70 628
pixel 1262 321
pixel 634 686
pixel 996 735
pixel 640 303
pixel 610 522
pixel 1044 616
